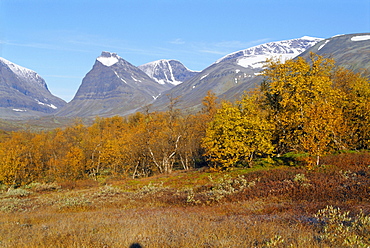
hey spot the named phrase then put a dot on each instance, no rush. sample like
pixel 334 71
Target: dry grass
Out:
pixel 245 208
pixel 216 226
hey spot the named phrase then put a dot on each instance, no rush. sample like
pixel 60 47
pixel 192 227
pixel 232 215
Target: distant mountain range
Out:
pixel 115 87
pixel 230 76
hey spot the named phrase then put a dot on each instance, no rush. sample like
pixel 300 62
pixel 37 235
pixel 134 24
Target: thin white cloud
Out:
pixel 41 46
pixel 177 41
pixel 226 47
pixel 213 52
pixel 61 76
pixel 237 44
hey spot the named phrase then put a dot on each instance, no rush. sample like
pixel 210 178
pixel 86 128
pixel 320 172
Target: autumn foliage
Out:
pixel 308 107
pixel 138 146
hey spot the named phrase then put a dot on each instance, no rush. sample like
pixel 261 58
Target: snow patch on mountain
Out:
pixel 23 73
pixel 17 69
pixel 326 42
pixel 256 56
pixel 309 38
pixel 46 104
pixel 155 97
pixel 20 110
pixel 360 38
pixel 108 59
pixel 161 71
pixel 203 77
pixel 136 80
pixel 120 77
pixel 167 72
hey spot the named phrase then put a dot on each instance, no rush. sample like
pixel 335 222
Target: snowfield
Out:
pixel 255 57
pixel 107 61
pixel 154 68
pixel 326 42
pixel 24 73
pixel 258 61
pixel 360 38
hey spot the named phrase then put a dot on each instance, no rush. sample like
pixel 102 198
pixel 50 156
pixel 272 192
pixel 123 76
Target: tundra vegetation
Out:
pixel 288 165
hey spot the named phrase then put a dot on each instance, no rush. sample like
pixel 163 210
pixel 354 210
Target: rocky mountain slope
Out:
pixel 23 93
pixel 167 72
pixel 113 86
pixel 351 51
pixel 233 74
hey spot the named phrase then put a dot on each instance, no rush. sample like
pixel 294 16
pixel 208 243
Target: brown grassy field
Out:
pixel 250 207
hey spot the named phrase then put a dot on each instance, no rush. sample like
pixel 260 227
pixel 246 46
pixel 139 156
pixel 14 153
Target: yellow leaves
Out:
pixel 323 128
pixel 354 100
pixel 301 106
pixel 237 133
pixel 315 108
pixel 290 89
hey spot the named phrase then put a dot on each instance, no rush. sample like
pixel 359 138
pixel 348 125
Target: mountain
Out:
pixel 167 72
pixel 351 51
pixel 232 75
pixel 23 93
pixel 113 86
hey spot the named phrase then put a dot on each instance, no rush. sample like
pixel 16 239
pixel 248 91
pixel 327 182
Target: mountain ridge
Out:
pixel 347 50
pixel 24 93
pixel 112 86
pixel 230 76
pixel 166 71
pixel 116 87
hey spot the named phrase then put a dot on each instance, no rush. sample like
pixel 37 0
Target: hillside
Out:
pixel 230 76
pixel 24 94
pixel 113 86
pixel 351 51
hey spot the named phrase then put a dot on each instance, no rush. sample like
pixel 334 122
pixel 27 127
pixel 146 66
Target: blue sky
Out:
pixel 60 40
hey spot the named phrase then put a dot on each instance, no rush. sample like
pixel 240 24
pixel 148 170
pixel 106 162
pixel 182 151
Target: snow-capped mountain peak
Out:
pixel 310 38
pixel 167 72
pixel 24 73
pixel 108 58
pixel 255 57
pixel 24 93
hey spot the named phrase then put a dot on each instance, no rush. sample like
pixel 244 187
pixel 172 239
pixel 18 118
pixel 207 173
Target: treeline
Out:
pixel 302 106
pixel 140 145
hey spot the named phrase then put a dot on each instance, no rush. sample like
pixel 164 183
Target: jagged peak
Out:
pixel 165 62
pixel 108 54
pixel 160 61
pixel 108 58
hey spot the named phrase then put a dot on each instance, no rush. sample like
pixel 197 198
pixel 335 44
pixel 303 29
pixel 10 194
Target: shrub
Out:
pixel 39 187
pixel 18 192
pixel 108 190
pixel 74 203
pixel 14 204
pixel 224 186
pixel 339 229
